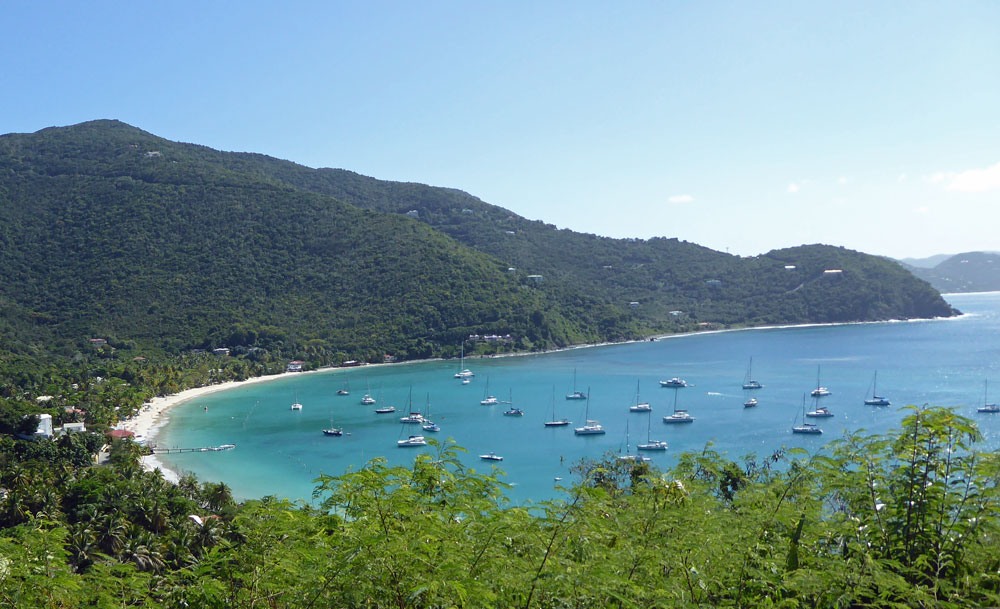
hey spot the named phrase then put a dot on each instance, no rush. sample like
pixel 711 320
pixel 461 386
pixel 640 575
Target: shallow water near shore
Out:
pixel 281 451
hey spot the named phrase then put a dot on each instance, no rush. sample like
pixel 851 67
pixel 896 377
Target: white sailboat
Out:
pixel 988 408
pixel 590 427
pixel 463 372
pixel 820 391
pixel 556 422
pixel 679 416
pixel 576 395
pixel 748 381
pixel 368 400
pixel 488 400
pixel 876 399
pixel 651 444
pixel 803 427
pixel 628 456
pixel 639 406
pixel 414 417
pixel 296 405
pixel 412 441
pixel 347 388
pixel 429 425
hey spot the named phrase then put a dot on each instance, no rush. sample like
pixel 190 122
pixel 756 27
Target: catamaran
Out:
pixel 296 405
pixel 876 399
pixel 820 391
pixel 651 444
pixel 679 416
pixel 576 395
pixel 590 427
pixel 414 417
pixel 639 406
pixel 463 373
pixel 488 400
pixel 748 381
pixel 628 456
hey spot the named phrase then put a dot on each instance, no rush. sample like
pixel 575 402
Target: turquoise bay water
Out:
pixel 280 451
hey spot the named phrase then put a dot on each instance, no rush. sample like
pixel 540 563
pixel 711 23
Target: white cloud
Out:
pixel 976 180
pixel 970 180
pixel 680 198
pixel 792 188
pixel 923 210
pixel 843 180
pixel 901 178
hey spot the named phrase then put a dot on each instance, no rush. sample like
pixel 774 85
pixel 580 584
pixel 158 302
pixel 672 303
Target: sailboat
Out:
pixel 412 441
pixel 806 428
pixel 463 372
pixel 555 422
pixel 748 381
pixel 413 416
pixel 820 412
pixel 750 402
pixel 628 456
pixel 988 408
pixel 333 431
pixel 368 399
pixel 296 405
pixel 488 400
pixel 590 427
pixel 819 391
pixel 428 424
pixel 876 399
pixel 347 388
pixel 576 395
pixel 679 416
pixel 651 444
pixel 639 406
pixel 512 412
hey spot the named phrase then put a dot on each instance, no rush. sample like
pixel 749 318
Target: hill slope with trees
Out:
pixel 106 230
pixel 968 272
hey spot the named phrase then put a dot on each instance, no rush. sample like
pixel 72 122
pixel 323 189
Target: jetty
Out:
pixel 158 450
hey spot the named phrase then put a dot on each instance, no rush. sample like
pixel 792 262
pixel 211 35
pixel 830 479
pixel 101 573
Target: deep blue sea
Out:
pixel 280 451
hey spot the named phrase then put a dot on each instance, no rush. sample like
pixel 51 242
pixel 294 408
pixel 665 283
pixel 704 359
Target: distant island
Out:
pixel 968 272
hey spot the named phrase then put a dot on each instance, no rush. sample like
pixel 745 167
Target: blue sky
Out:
pixel 740 126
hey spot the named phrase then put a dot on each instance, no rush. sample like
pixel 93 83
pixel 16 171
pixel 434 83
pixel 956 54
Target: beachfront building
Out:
pixel 294 366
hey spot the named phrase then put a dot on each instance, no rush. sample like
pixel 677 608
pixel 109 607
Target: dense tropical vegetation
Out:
pixel 907 519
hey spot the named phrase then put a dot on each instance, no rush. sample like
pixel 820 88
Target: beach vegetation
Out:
pixel 902 519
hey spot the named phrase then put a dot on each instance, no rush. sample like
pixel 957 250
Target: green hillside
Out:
pixel 968 272
pixel 109 231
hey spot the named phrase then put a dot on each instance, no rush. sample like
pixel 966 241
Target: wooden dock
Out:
pixel 157 450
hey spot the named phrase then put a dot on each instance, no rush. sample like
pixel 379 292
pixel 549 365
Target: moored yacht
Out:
pixel 876 399
pixel 675 383
pixel 412 441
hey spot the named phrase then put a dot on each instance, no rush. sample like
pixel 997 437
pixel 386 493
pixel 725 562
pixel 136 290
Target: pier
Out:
pixel 158 450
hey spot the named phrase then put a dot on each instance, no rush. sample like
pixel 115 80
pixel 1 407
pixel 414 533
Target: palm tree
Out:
pixel 81 546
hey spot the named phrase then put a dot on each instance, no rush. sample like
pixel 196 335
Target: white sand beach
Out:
pixel 153 414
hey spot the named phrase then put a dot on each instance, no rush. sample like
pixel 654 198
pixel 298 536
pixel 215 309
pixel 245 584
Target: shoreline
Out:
pixel 152 417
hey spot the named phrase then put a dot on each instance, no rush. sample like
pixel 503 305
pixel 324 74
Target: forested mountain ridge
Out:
pixel 967 272
pixel 106 230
